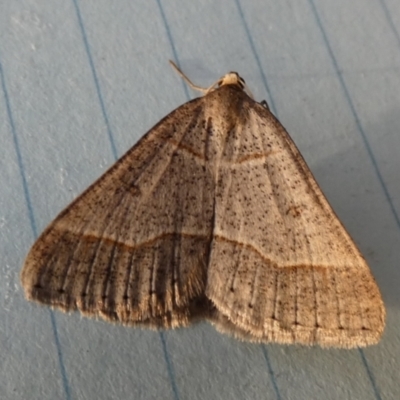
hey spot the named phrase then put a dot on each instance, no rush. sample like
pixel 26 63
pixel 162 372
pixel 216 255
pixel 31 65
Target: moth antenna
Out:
pixel 232 78
pixel 186 79
pixel 190 83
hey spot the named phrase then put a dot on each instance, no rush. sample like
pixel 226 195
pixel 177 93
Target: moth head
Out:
pixel 231 78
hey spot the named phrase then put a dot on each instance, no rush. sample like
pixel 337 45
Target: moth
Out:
pixel 212 215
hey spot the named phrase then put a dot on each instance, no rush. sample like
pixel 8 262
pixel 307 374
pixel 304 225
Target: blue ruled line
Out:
pixel 274 110
pixel 185 89
pixel 18 153
pixel 370 375
pixel 60 356
pixel 169 367
pixel 367 146
pixel 32 223
pixel 390 21
pixel 95 79
pixel 354 113
pixel 271 102
pixel 272 106
pixel 271 371
pixel 114 150
pixel 171 42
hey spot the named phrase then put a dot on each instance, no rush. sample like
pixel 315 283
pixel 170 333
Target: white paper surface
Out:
pixel 82 81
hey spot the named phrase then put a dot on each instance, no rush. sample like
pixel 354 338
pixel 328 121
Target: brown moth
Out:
pixel 212 215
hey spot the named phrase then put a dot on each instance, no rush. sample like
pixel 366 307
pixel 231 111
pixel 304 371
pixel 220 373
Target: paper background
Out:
pixel 81 81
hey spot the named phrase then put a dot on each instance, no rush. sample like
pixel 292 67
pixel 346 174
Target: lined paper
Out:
pixel 82 81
